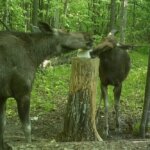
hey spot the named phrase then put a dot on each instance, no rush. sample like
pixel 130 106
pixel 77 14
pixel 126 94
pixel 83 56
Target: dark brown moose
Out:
pixel 20 55
pixel 114 68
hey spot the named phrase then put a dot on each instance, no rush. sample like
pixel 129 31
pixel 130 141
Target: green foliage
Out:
pixel 97 39
pixel 138 26
pixel 50 85
pixel 134 85
pixel 18 20
pixel 11 107
pixel 80 15
pixel 136 128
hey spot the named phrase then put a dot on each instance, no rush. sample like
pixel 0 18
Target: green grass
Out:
pixel 134 85
pixel 50 85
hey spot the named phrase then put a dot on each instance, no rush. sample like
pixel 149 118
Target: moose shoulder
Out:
pixel 20 55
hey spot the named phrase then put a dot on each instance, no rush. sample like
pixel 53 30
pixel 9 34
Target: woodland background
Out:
pixel 130 17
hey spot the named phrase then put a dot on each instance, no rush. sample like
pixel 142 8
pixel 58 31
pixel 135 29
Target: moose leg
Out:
pixel 105 96
pixel 101 98
pixel 102 94
pixel 23 111
pixel 2 121
pixel 117 93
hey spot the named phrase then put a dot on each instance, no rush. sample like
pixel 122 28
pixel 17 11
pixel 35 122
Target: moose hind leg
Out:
pixel 117 93
pixel 2 121
pixel 105 96
pixel 23 110
pixel 100 102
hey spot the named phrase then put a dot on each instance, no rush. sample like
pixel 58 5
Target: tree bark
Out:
pixel 27 8
pixel 35 12
pixel 123 20
pixel 65 7
pixel 146 102
pixel 6 12
pixel 133 21
pixel 79 122
pixel 112 14
pixel 57 17
pixel 48 10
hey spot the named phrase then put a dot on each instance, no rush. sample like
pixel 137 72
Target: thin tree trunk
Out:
pixel 123 20
pixel 65 7
pixel 79 124
pixel 64 18
pixel 35 12
pixel 112 14
pixel 133 21
pixel 146 102
pixel 57 17
pixel 47 10
pixel 26 6
pixel 6 12
pixel 94 6
pixel 41 8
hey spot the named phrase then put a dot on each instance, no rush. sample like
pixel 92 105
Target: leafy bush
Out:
pixel 50 85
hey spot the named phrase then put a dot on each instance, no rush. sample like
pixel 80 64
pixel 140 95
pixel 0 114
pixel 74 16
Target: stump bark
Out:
pixel 79 121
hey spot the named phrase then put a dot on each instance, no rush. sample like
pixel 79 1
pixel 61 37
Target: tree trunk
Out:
pixel 112 14
pixel 123 20
pixel 79 120
pixel 27 7
pixel 65 7
pixel 94 7
pixel 47 11
pixel 146 102
pixel 57 17
pixel 65 10
pixel 35 12
pixel 6 12
pixel 133 21
pixel 41 8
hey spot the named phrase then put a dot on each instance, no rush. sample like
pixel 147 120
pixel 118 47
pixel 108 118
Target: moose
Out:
pixel 113 70
pixel 20 55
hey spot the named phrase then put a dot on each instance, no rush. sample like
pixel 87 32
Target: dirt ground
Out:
pixel 46 126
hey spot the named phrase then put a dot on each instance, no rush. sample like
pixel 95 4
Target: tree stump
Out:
pixel 79 122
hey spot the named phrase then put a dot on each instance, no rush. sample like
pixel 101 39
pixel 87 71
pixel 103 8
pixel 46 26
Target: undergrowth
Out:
pixel 52 84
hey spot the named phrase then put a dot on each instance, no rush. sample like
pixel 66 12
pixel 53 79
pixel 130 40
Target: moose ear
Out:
pixel 44 27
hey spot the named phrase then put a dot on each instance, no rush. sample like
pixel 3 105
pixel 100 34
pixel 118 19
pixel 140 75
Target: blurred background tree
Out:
pixel 130 17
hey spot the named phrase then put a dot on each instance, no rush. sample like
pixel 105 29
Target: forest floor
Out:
pixel 46 126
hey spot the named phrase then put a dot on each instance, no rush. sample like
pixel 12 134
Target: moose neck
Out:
pixel 43 45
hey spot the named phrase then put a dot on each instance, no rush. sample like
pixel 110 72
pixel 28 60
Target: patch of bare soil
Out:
pixel 46 126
